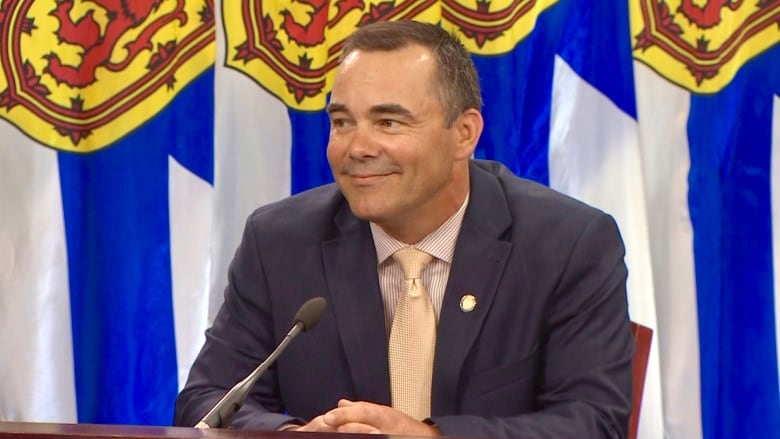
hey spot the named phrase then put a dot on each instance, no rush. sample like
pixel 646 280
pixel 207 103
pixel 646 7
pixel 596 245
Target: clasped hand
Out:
pixel 368 418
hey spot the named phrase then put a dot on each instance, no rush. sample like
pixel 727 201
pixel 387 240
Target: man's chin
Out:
pixel 367 212
pixel 367 215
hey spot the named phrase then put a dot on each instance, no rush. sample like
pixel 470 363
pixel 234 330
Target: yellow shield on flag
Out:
pixel 701 45
pixel 77 75
pixel 292 47
pixel 492 27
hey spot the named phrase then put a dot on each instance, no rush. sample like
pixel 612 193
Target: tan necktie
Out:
pixel 412 339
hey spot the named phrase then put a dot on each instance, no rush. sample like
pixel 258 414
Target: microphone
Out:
pixel 221 415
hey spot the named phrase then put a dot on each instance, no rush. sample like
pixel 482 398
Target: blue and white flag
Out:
pixel 106 175
pixel 707 81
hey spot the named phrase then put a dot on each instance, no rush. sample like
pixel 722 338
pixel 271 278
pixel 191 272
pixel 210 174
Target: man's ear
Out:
pixel 468 127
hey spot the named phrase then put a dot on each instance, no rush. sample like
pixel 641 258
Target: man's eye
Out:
pixel 338 123
pixel 389 123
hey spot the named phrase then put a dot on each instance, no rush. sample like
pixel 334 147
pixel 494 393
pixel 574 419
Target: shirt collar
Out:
pixel 440 243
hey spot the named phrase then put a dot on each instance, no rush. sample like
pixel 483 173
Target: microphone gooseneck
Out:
pixel 221 414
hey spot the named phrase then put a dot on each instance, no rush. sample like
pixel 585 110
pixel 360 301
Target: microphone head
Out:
pixel 309 313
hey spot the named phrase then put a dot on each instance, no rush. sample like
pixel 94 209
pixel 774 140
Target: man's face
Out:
pixel 389 149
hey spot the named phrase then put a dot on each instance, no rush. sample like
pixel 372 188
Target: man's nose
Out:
pixel 362 144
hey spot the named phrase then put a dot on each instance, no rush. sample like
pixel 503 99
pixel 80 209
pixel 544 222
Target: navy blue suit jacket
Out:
pixel 545 353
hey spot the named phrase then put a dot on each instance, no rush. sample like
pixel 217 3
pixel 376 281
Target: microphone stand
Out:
pixel 221 415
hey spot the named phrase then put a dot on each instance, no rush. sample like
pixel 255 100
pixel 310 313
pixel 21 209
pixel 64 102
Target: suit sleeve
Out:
pixel 585 380
pixel 241 337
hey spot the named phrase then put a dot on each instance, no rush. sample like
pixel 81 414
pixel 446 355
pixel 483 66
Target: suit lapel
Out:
pixel 479 261
pixel 351 271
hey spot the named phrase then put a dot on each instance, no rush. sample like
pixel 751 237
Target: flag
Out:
pixel 106 189
pixel 707 81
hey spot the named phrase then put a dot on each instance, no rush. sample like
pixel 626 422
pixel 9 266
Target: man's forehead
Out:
pixel 390 76
pixel 350 58
pixel 410 54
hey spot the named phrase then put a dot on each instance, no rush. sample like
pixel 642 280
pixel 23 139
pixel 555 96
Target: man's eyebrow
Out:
pixel 334 107
pixel 396 109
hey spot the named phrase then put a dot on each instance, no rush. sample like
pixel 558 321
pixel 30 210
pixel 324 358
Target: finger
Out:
pixel 356 427
pixel 345 403
pixel 346 413
pixel 382 418
pixel 317 425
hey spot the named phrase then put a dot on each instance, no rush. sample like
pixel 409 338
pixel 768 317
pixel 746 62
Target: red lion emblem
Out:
pixel 98 45
pixel 313 33
pixel 708 15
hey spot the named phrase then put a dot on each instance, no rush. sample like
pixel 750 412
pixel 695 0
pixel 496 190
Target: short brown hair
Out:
pixel 456 83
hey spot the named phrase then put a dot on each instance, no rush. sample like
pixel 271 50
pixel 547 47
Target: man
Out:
pixel 524 288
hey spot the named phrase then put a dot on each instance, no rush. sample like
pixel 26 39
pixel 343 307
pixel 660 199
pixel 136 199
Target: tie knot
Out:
pixel 412 261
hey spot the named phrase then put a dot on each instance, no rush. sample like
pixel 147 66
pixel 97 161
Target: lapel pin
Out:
pixel 468 302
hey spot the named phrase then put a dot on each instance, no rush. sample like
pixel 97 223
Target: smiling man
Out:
pixel 464 300
pixel 398 155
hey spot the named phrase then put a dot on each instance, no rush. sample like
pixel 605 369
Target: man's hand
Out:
pixel 365 417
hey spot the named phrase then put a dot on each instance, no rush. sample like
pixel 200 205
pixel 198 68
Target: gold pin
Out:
pixel 468 302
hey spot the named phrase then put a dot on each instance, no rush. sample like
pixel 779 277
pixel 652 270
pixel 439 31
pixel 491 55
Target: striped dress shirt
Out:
pixel 440 244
